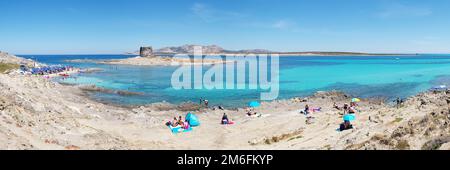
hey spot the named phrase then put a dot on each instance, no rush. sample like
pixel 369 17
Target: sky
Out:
pixel 118 26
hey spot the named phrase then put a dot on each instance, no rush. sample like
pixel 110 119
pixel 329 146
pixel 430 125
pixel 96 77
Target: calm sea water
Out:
pixel 362 76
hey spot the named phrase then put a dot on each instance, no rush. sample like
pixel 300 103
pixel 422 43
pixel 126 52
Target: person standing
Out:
pixel 398 101
pixel 206 103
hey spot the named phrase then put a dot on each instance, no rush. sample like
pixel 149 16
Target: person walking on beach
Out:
pixel 201 101
pixel 398 102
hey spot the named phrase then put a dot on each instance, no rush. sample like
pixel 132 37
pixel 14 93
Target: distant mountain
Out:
pixel 214 49
pixel 209 49
pixel 190 49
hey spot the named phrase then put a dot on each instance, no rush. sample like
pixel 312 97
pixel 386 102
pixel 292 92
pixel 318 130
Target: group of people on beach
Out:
pixel 178 122
pixel 250 112
pixel 46 70
pixel 347 110
pixel 308 110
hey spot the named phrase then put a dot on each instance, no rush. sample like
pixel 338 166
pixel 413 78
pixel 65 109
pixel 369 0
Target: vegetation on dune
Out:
pixel 6 66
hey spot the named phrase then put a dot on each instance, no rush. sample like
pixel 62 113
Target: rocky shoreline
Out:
pixel 36 113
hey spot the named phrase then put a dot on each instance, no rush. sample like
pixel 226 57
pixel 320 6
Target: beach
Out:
pixel 36 113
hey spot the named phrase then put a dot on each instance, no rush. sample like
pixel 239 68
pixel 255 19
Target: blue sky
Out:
pixel 117 26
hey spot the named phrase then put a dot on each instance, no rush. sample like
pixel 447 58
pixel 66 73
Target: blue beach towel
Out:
pixel 176 130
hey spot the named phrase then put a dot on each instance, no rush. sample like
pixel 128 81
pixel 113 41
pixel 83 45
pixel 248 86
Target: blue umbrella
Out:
pixel 349 117
pixel 254 104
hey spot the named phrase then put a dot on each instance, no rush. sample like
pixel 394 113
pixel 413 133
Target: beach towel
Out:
pixel 179 129
pixel 316 109
pixel 227 123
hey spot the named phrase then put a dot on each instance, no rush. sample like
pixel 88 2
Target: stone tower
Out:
pixel 146 52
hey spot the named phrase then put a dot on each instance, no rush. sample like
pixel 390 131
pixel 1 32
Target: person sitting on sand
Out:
pixel 180 121
pixel 225 119
pixel 174 122
pixel 250 112
pixel 345 108
pixel 306 111
pixel 352 110
pixel 345 126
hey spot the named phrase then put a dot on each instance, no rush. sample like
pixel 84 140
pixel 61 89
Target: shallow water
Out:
pixel 362 76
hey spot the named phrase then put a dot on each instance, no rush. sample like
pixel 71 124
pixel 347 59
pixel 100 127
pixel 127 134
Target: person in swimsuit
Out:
pixel 174 122
pixel 180 121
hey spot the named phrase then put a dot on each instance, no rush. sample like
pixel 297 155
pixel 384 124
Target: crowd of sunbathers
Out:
pixel 45 70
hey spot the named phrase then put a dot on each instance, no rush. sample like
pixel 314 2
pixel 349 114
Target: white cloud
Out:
pixel 286 25
pixel 282 24
pixel 210 14
pixel 397 10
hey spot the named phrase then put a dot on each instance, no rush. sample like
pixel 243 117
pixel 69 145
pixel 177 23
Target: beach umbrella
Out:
pixel 356 100
pixel 349 117
pixel 254 104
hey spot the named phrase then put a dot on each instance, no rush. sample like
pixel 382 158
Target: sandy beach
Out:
pixel 36 113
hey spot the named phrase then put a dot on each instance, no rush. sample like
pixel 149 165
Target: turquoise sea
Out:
pixel 362 76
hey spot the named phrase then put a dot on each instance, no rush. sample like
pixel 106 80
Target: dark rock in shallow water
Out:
pixel 129 93
pixel 94 88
